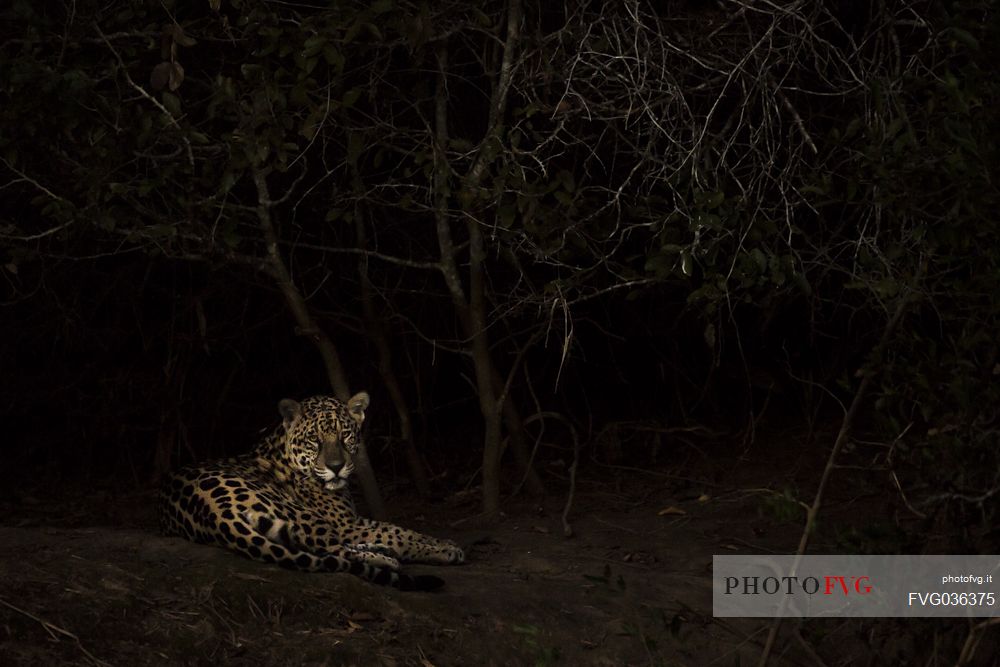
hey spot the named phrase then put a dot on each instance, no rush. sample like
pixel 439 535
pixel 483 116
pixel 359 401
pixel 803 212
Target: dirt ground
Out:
pixel 86 580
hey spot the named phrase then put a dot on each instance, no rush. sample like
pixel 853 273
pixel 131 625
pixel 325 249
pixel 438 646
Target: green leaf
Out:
pixel 350 97
pixel 961 36
pixel 506 215
pixel 660 265
pixel 312 123
pixel 355 145
pixel 852 128
pixel 566 179
pixel 299 95
pixel 229 179
pixel 708 220
pixel 813 189
pixel 713 200
pixel 686 263
pixel 251 72
pixel 172 103
pixel 374 31
pixel 878 96
pixel 228 234
pixel 563 198
pixel 160 231
pixel 306 65
pixel 352 33
pixel 901 142
pixel 852 189
pixel 334 58
pixel 313 46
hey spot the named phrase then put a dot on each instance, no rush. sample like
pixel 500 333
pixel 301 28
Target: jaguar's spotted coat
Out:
pixel 285 502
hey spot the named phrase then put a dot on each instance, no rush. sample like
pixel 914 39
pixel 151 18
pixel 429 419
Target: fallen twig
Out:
pixel 54 630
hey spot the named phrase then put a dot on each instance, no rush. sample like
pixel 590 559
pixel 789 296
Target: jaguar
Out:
pixel 287 502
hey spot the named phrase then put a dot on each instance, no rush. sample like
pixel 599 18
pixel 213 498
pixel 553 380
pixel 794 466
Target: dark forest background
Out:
pixel 523 228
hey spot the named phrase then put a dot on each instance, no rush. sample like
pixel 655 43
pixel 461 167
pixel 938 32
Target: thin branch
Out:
pixel 860 395
pixel 372 254
pixel 499 105
pixel 142 91
pixel 24 178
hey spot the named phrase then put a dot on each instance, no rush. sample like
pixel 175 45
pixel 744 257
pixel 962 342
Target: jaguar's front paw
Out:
pixel 455 555
pixel 376 558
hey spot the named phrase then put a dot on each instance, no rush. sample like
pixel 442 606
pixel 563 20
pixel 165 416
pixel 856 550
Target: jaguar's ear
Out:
pixel 290 410
pixel 357 404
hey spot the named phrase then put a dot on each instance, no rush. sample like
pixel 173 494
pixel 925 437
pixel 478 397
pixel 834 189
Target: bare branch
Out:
pixel 24 178
pixel 142 92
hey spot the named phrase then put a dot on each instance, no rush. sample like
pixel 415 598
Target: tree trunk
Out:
pixel 472 312
pixel 515 434
pixel 385 368
pixel 308 327
pixel 484 372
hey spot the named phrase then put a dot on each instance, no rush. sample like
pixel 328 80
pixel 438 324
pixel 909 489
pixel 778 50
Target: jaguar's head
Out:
pixel 322 434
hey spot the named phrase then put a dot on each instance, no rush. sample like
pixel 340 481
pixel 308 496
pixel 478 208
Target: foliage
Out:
pixel 770 177
pixel 920 183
